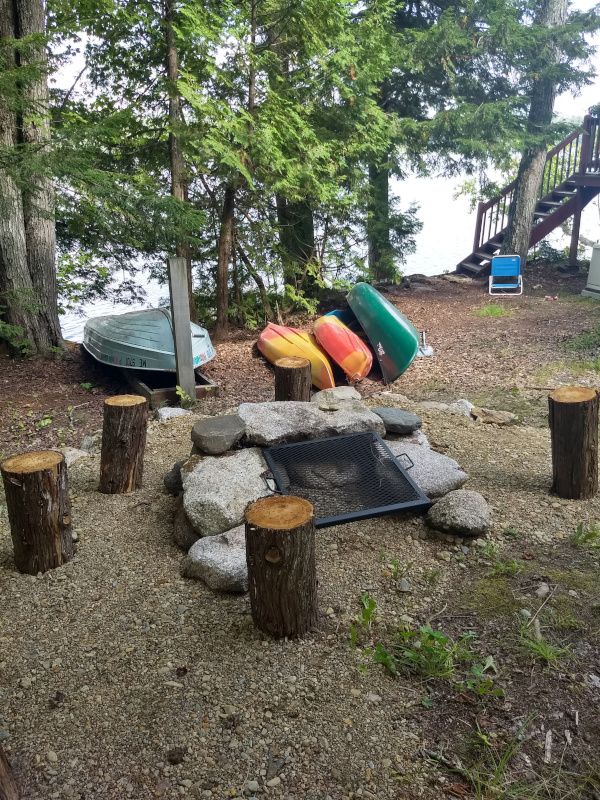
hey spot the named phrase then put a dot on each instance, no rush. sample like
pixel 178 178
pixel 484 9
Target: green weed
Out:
pixel 505 569
pixel 587 342
pixel 479 683
pixel 431 576
pixel 185 401
pixel 586 537
pixel 493 310
pixel 533 643
pixel 427 653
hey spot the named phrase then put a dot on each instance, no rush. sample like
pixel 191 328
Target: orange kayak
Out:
pixel 344 346
pixel 277 341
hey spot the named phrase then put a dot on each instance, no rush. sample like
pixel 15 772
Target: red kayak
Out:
pixel 344 347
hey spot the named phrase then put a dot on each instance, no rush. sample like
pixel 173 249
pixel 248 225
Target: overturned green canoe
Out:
pixel 394 338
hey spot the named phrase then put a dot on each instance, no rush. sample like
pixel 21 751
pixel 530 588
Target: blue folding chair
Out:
pixel 506 267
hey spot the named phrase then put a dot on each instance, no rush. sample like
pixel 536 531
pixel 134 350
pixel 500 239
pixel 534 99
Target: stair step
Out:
pixel 541 214
pixel 471 266
pixel 483 256
pixel 552 203
pixel 564 194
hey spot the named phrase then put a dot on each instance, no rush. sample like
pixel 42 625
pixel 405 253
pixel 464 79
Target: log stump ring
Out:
pixel 280 553
pixel 39 510
pixel 123 443
pixel 573 420
pixel 293 379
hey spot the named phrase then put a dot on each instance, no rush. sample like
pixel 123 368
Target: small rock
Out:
pixel 252 787
pixel 465 549
pixel 337 393
pixel 219 561
pixel 355 692
pixel 572 593
pixel 25 683
pixel 228 709
pixel 493 417
pixel 276 781
pixel 404 585
pixel 74 536
pixel 166 413
pixel 92 444
pixel 51 757
pixel 3 735
pixel 525 613
pixel 374 698
pixel 461 512
pixel 443 555
pixel 184 534
pixel 543 590
pixel 172 480
pixel 396 420
pixel 462 407
pixel 216 435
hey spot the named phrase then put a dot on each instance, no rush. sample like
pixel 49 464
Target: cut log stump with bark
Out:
pixel 280 553
pixel 573 419
pixel 293 379
pixel 8 785
pixel 123 443
pixel 39 510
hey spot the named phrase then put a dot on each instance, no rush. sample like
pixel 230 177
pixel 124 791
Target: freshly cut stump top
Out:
pixel 290 362
pixel 32 462
pixel 573 394
pixel 125 400
pixel 279 513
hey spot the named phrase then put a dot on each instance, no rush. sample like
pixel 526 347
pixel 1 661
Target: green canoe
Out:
pixel 394 339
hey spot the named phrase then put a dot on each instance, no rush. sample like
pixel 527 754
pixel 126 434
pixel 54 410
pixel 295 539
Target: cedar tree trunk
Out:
pixel 225 240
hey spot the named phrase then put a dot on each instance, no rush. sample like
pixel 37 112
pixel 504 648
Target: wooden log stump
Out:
pixel 573 419
pixel 39 510
pixel 280 553
pixel 8 785
pixel 123 443
pixel 293 379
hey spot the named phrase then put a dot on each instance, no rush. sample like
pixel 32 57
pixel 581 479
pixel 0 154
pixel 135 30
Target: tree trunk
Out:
pixel 280 552
pixel 381 262
pixel 225 239
pixel 531 169
pixel 178 175
pixel 39 510
pixel 8 785
pixel 262 289
pixel 293 379
pixel 123 443
pixel 297 240
pixel 573 419
pixel 38 198
pixel 236 285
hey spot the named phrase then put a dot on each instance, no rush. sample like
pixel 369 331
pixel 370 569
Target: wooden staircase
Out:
pixel 571 180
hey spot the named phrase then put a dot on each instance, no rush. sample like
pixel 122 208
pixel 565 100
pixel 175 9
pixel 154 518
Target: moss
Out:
pixel 492 598
pixel 575 579
pixel 564 614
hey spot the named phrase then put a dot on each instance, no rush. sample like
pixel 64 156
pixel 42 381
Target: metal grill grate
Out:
pixel 346 478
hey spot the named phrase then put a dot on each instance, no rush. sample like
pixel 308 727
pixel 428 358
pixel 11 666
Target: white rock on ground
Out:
pixel 166 413
pixel 216 491
pixel 71 454
pixel 493 417
pixel 433 472
pixel 338 392
pixel 462 406
pixel 416 437
pixel 280 423
pixel 219 561
pixel 461 513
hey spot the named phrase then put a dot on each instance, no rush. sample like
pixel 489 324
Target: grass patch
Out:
pixel 493 310
pixel 586 536
pixel 492 598
pixel 574 369
pixel 552 655
pixel 585 343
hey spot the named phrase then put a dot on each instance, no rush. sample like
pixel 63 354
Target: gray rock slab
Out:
pixel 338 392
pixel 216 435
pixel 166 413
pixel 71 454
pixel 462 407
pixel 396 420
pixel 416 437
pixel 219 561
pixel 216 491
pixel 281 423
pixel 184 534
pixel 492 417
pixel 461 513
pixel 172 480
pixel 92 444
pixel 433 472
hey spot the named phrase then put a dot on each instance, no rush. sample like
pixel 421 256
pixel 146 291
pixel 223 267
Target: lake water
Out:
pixel 446 238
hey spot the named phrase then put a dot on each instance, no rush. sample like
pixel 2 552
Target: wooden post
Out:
pixel 8 785
pixel 292 379
pixel 280 552
pixel 576 226
pixel 39 510
pixel 573 419
pixel 123 443
pixel 182 335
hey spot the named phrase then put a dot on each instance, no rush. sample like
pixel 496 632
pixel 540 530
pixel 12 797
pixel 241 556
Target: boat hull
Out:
pixel 343 346
pixel 394 338
pixel 142 340
pixel 278 341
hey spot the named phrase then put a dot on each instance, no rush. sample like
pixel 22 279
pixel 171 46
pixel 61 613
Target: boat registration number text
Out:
pixel 123 362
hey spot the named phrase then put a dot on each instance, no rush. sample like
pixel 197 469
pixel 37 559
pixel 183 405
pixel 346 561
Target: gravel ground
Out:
pixel 120 679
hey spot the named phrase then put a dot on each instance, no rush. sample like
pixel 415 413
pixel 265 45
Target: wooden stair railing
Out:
pixel 571 180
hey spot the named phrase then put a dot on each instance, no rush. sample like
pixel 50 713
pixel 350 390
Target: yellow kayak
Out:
pixel 278 341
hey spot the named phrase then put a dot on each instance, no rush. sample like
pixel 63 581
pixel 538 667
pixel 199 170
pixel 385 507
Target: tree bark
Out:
pixel 297 240
pixel 280 552
pixel 381 264
pixel 39 510
pixel 573 419
pixel 123 443
pixel 8 785
pixel 224 257
pixel 531 169
pixel 179 187
pixel 293 379
pixel 262 289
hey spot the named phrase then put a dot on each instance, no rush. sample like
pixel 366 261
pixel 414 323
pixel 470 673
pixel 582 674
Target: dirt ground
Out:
pixel 120 679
